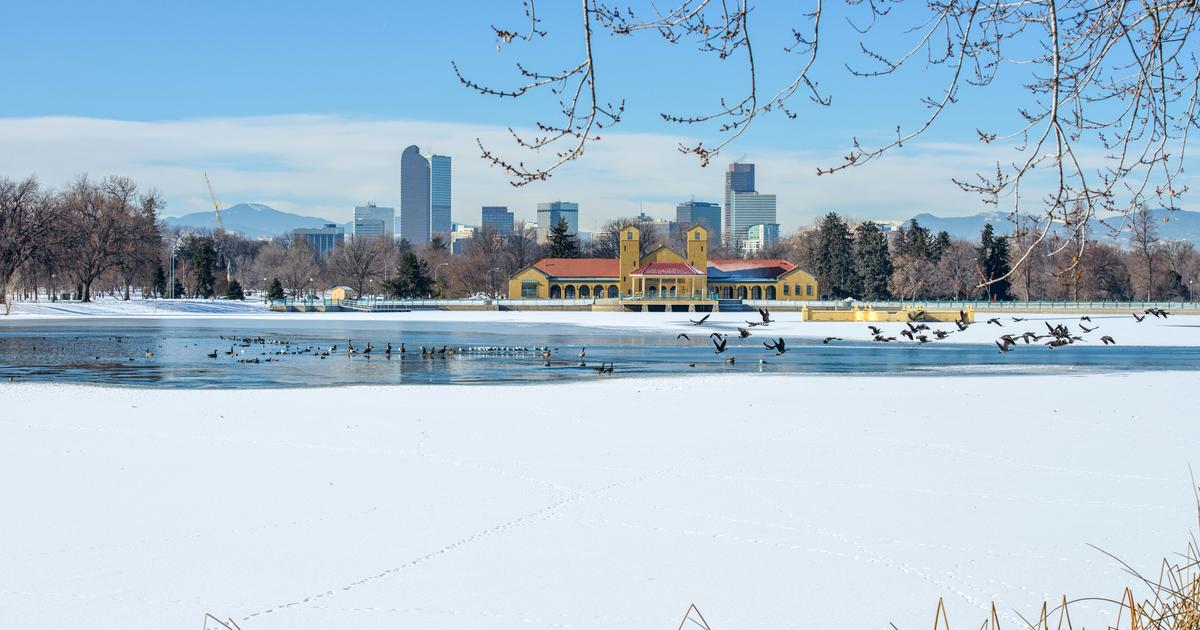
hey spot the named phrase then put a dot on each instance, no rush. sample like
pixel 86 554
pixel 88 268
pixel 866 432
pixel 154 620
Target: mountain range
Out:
pixel 250 220
pixel 1173 225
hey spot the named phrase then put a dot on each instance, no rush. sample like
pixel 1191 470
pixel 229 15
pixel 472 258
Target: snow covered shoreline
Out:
pixel 1181 328
pixel 815 502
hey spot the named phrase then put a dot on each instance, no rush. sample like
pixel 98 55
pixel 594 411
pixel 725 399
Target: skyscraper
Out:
pixel 323 239
pixel 372 221
pixel 689 213
pixel 498 218
pixel 738 178
pixel 415 196
pixel 549 213
pixel 439 195
pixel 747 209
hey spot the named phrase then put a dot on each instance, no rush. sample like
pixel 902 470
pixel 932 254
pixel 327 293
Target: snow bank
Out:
pixel 110 307
pixel 769 502
pixel 1174 331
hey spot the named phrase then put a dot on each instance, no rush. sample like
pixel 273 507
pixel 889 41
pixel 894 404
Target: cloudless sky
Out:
pixel 140 60
pixel 143 60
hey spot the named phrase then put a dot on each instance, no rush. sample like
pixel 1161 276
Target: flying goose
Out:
pixel 780 346
pixel 697 322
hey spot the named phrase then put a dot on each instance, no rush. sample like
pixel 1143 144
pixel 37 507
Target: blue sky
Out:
pixel 175 69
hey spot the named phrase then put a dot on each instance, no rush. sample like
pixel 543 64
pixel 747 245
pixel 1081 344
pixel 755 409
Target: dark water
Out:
pixel 113 352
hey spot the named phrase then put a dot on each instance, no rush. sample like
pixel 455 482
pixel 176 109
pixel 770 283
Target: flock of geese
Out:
pixel 915 330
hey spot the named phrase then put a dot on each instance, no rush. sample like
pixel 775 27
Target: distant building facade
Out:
pixel 439 195
pixel 548 215
pixel 459 237
pixel 747 209
pixel 372 221
pixel 704 213
pixel 759 236
pixel 322 239
pixel 414 196
pixel 739 178
pixel 498 218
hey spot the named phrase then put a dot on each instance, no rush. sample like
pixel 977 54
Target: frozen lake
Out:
pixel 113 351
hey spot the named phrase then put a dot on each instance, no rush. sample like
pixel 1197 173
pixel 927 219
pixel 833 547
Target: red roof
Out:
pixel 666 269
pixel 739 264
pixel 579 267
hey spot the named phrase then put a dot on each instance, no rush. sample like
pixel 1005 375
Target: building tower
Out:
pixel 697 248
pixel 414 196
pixel 689 213
pixel 738 178
pixel 630 254
pixel 439 195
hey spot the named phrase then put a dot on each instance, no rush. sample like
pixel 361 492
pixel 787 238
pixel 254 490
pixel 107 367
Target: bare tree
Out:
pixel 299 268
pixel 1146 248
pixel 25 220
pixel 955 274
pixel 1113 74
pixel 521 248
pixel 358 261
pixel 100 221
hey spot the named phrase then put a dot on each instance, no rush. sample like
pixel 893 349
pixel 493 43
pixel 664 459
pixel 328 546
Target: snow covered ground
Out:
pixel 770 502
pixel 110 307
pixel 1182 328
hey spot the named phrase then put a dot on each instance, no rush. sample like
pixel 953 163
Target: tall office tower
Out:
pixel 738 178
pixel 439 195
pixel 323 239
pixel 498 218
pixel 746 209
pixel 704 213
pixel 549 213
pixel 414 196
pixel 372 221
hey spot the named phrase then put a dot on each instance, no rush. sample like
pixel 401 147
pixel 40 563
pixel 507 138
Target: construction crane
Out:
pixel 220 226
pixel 216 204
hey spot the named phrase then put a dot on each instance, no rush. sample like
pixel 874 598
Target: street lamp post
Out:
pixel 438 268
pixel 488 280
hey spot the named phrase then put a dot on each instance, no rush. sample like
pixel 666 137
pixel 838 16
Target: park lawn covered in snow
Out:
pixel 770 502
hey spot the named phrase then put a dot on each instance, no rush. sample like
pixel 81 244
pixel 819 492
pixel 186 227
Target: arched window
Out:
pixel 672 291
pixel 757 293
pixel 770 293
pixel 612 291
pixel 598 290
pixel 741 293
pixel 585 291
pixel 728 293
pixel 652 292
pixel 569 292
pixel 555 292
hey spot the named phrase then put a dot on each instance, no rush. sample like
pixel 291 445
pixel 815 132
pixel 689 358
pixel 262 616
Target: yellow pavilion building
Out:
pixel 662 275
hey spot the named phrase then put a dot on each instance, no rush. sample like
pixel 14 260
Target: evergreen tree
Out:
pixel 160 282
pixel 836 271
pixel 562 245
pixel 275 291
pixel 993 263
pixel 939 244
pixel 203 258
pixel 874 262
pixel 178 289
pixel 411 280
pixel 234 291
pixel 914 241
